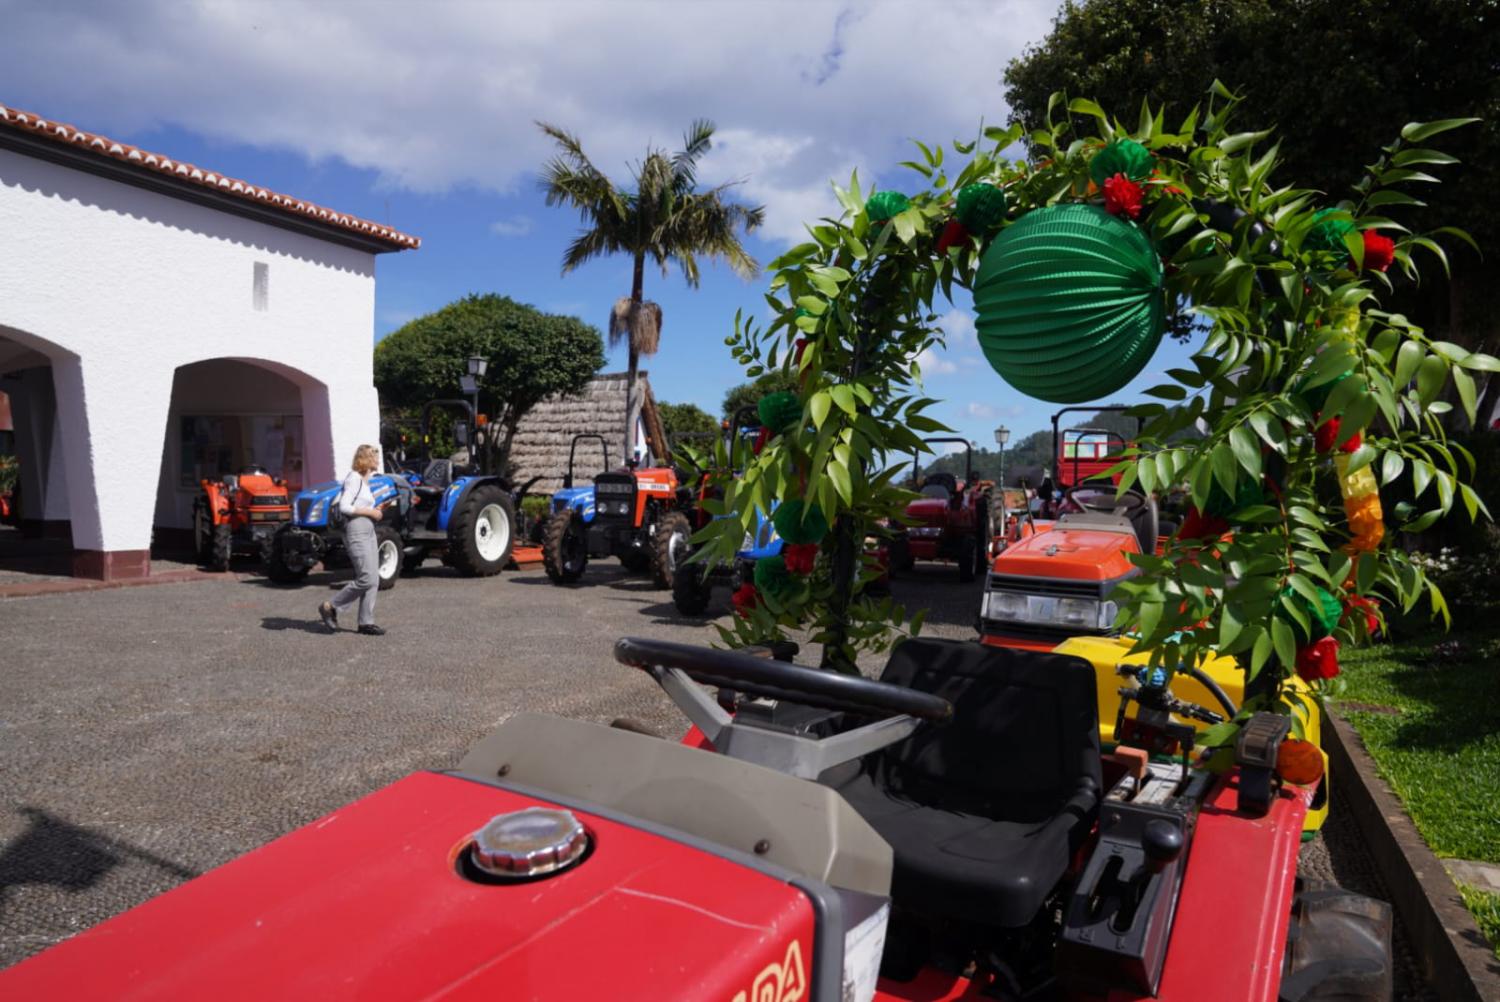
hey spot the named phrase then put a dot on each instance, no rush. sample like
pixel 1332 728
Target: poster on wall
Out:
pixel 216 444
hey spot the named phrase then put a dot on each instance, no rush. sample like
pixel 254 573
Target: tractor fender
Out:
pixel 457 491
pixel 765 542
pixel 580 500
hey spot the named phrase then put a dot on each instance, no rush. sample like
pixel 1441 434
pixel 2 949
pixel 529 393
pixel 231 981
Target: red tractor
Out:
pixel 238 514
pixel 619 515
pixel 950 521
pixel 952 830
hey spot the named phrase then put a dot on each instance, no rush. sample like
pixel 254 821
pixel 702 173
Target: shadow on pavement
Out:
pixel 55 853
pixel 280 623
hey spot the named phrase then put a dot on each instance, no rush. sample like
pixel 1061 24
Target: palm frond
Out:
pixel 640 323
pixel 696 142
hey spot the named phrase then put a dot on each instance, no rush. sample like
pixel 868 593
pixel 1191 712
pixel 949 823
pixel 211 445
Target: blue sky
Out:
pixel 423 118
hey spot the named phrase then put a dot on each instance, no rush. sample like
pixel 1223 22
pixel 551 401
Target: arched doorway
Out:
pixel 39 491
pixel 226 413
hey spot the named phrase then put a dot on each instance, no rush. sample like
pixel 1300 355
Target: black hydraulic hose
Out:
pixel 1202 678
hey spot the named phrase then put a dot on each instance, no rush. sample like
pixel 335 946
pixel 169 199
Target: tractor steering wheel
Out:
pixel 782 680
pixel 1101 499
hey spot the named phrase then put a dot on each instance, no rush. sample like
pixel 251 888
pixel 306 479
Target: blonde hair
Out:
pixel 366 459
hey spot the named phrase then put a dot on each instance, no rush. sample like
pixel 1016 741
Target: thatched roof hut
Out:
pixel 540 447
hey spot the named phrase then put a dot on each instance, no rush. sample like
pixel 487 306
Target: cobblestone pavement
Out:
pixel 149 734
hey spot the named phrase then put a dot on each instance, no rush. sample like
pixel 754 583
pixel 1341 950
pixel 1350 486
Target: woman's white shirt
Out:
pixel 355 494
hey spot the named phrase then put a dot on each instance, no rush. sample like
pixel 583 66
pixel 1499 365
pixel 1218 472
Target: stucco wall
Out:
pixel 120 286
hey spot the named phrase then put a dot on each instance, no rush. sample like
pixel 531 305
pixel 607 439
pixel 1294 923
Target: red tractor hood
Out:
pixel 928 511
pixel 1076 554
pixel 367 903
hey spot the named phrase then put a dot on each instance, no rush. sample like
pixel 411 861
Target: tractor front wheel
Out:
pixel 691 589
pixel 387 555
pixel 670 548
pixel 565 551
pixel 480 534
pixel 221 548
pixel 278 570
pixel 968 557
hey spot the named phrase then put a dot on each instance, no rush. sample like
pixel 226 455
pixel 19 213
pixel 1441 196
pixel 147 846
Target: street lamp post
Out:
pixel 469 384
pixel 1002 435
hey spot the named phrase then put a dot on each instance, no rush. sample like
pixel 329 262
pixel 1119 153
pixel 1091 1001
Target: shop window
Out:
pixel 216 444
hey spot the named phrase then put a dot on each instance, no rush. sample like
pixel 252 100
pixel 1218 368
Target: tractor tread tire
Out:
pixel 462 549
pixel 552 549
pixel 221 549
pixel 663 574
pixel 968 558
pixel 387 534
pixel 277 570
pixel 690 591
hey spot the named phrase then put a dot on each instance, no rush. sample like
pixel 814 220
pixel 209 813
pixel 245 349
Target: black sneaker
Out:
pixel 329 615
pixel 371 630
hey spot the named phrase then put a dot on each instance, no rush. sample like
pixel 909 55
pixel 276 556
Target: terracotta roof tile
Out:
pixel 58 132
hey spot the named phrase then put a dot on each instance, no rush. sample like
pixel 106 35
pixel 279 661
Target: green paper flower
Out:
pixel 779 411
pixel 885 205
pixel 1246 493
pixel 1070 303
pixel 981 207
pixel 773 579
pixel 1327 234
pixel 798 522
pixel 1123 156
pixel 1323 618
pixel 1317 396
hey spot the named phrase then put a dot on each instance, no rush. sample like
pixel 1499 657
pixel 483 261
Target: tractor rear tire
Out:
pixel 691 590
pixel 387 555
pixel 669 547
pixel 221 548
pixel 565 551
pixel 482 532
pixel 636 561
pixel 968 558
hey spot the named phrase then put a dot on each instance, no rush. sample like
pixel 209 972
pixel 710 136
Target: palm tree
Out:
pixel 666 218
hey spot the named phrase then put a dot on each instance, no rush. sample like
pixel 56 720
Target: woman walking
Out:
pixel 360 515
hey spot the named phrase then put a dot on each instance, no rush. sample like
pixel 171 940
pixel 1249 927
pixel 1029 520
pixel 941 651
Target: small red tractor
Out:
pixel 238 514
pixel 950 521
pixel 619 515
pixel 953 830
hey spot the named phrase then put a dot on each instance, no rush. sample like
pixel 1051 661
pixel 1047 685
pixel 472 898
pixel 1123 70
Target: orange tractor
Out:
pixel 238 515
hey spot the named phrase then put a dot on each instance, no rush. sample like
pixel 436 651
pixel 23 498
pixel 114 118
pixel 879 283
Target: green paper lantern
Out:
pixel 797 522
pixel 773 579
pixel 1123 156
pixel 1317 396
pixel 885 205
pixel 981 208
pixel 1070 303
pixel 1323 618
pixel 1327 234
pixel 779 411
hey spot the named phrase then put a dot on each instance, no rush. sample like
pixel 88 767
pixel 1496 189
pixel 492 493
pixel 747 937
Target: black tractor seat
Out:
pixel 984 813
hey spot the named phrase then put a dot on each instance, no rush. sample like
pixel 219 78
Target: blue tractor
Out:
pixel 458 512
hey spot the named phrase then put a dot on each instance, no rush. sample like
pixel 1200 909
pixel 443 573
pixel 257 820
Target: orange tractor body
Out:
pixel 238 515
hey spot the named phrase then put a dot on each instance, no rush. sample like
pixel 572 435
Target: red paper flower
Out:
pixel 745 599
pixel 1122 196
pixel 1328 433
pixel 1358 604
pixel 1380 251
pixel 1319 659
pixel 954 235
pixel 800 557
pixel 761 438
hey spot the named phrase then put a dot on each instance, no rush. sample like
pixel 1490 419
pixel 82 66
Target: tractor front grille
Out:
pixel 274 515
pixel 614 498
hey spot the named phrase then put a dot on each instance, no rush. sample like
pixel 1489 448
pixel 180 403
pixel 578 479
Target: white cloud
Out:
pixel 517 226
pixel 979 410
pixel 958 328
pixel 433 96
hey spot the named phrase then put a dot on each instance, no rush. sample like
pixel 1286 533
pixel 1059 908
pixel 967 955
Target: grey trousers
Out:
pixel 359 542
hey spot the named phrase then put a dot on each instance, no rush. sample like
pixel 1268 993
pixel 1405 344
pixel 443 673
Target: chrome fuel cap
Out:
pixel 529 843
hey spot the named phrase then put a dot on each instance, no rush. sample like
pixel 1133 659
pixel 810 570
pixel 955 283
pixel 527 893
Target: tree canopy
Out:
pixel 1337 79
pixel 686 422
pixel 530 355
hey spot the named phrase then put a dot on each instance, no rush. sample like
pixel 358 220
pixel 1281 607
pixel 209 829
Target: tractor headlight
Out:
pixel 1049 610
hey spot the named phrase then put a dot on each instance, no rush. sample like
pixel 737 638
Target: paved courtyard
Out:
pixel 148 734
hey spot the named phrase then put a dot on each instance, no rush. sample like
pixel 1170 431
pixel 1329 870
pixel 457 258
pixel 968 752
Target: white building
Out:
pixel 160 323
